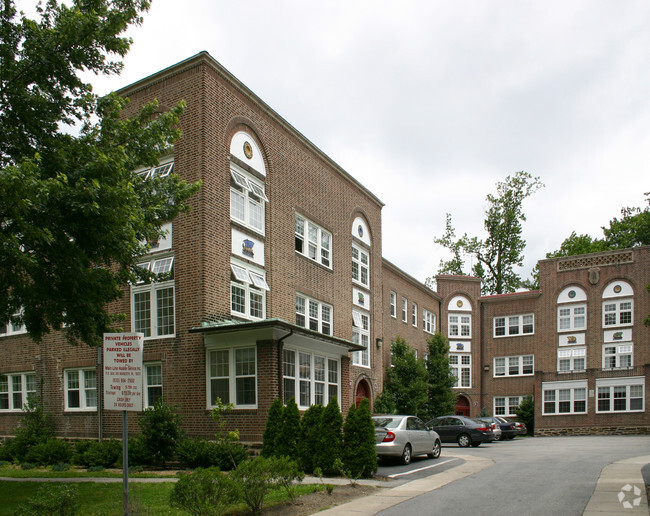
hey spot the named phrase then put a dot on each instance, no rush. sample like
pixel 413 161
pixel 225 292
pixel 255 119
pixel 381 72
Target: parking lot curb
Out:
pixel 390 496
pixel 620 489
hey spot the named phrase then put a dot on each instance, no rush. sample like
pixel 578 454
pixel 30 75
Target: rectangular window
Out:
pixel 617 313
pixel 153 387
pixel 618 356
pixel 81 389
pixel 153 304
pixel 361 335
pixel 572 317
pixel 317 380
pixel 15 390
pixel 428 321
pixel 506 405
pixel 460 325
pixel 522 365
pixel 10 328
pixel 513 325
pixel 621 394
pixel 232 376
pixel 393 304
pixel 461 367
pixel 248 288
pixel 313 241
pixel 414 315
pixel 313 315
pixel 570 360
pixel 404 309
pixel 564 398
pixel 360 266
pixel 247 199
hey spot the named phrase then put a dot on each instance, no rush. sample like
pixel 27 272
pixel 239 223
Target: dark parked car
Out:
pixel 520 428
pixel 404 437
pixel 463 430
pixel 507 427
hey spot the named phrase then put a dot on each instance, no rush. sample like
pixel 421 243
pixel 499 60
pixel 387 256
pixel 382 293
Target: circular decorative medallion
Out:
pixel 572 294
pixel 360 230
pixel 248 150
pixel 617 289
pixel 459 303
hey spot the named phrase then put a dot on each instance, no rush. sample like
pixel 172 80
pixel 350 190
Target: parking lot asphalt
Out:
pixel 619 487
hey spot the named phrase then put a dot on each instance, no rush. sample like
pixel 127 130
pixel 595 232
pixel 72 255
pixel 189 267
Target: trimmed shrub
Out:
pixel 309 437
pixel 52 451
pixel 330 439
pixel 51 499
pixel 199 453
pixel 359 455
pixel 203 492
pixel 161 432
pixel 35 427
pixel 95 453
pixel 286 441
pixel 273 428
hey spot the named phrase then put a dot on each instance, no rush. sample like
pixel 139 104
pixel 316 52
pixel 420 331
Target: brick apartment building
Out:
pixel 276 287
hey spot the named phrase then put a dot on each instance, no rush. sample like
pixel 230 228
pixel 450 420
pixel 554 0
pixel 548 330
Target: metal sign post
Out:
pixel 123 387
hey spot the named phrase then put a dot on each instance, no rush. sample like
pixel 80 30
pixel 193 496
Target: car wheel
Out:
pixel 499 437
pixel 463 440
pixel 406 454
pixel 476 445
pixel 435 453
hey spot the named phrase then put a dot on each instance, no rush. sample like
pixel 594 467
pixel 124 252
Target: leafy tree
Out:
pixel 273 428
pixel 359 453
pixel 502 250
pixel 309 436
pixel 330 438
pixel 286 441
pixel 161 432
pixel 73 215
pixel 406 380
pixel 440 378
pixel 526 413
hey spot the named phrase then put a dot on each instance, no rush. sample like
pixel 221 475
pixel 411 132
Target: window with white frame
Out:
pixel 16 389
pixel 361 336
pixel 564 398
pixel 521 365
pixel 571 359
pixel 404 309
pixel 506 405
pixel 360 266
pixel 309 378
pixel 153 383
pixel 461 367
pixel 572 317
pixel 153 304
pixel 247 291
pixel 313 315
pixel 80 389
pixel 12 328
pixel 513 325
pixel 232 376
pixel 313 241
pixel 393 304
pixel 428 321
pixel 162 170
pixel 460 325
pixel 618 356
pixel 414 315
pixel 617 313
pixel 621 394
pixel 247 199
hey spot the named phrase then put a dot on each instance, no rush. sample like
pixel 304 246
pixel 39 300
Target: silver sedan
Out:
pixel 404 437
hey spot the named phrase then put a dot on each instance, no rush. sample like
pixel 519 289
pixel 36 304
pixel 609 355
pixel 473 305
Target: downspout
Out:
pixel 100 393
pixel 482 349
pixel 280 372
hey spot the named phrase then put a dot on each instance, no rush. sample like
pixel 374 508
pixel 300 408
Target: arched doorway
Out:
pixel 363 391
pixel 462 406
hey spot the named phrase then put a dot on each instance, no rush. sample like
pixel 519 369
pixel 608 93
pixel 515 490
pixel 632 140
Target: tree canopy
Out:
pixel 502 250
pixel 74 217
pixel 440 378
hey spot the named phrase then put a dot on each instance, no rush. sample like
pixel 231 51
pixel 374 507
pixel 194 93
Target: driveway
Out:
pixel 529 476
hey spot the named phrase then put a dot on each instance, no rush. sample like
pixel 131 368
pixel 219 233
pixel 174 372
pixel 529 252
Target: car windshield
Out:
pixel 387 422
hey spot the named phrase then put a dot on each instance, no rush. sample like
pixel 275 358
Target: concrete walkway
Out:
pixel 620 489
